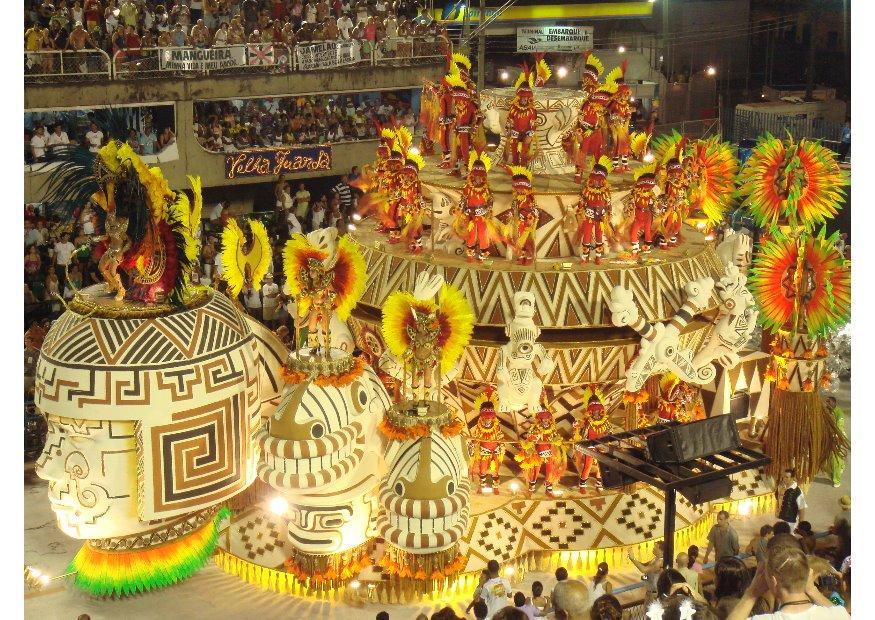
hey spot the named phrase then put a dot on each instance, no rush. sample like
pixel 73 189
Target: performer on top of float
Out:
pixel 589 77
pixel 486 447
pixel 473 219
pixel 542 447
pixel 620 115
pixel 382 174
pixel 524 217
pixel 675 202
pixel 592 209
pixel 593 425
pixel 520 125
pixel 412 207
pixel 460 117
pixel 643 198
pixel 589 135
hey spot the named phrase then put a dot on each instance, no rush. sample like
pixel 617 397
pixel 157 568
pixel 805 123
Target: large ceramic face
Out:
pixel 149 418
pixel 91 468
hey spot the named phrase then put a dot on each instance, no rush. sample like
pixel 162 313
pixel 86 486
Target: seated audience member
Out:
pixel 806 537
pixel 525 605
pixel 731 579
pixel 606 607
pixel 538 599
pixel 757 544
pixel 571 598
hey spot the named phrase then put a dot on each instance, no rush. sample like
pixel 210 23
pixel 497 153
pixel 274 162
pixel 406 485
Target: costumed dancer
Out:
pixel 459 109
pixel 392 216
pixel 675 202
pixel 620 115
pixel 429 116
pixel 593 425
pixel 589 135
pixel 677 401
pixel 485 445
pixel 643 199
pixel 542 70
pixel 520 125
pixel 592 208
pixel 473 219
pixel 592 71
pixel 542 448
pixel 412 207
pixel 524 218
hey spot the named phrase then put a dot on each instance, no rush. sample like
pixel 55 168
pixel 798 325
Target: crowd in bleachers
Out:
pixel 123 25
pixel 227 126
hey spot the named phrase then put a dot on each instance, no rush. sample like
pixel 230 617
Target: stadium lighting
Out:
pixel 561 72
pixel 279 505
pixel 711 71
pixel 504 76
pixel 622 49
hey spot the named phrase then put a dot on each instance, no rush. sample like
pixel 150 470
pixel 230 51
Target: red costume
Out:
pixel 620 115
pixel 589 78
pixel 644 202
pixel 392 187
pixel 487 449
pixel 593 425
pixel 592 209
pixel 473 221
pixel 524 219
pixel 674 203
pixel 520 125
pixel 677 401
pixel 411 207
pixel 542 447
pixel 460 113
pixel 589 136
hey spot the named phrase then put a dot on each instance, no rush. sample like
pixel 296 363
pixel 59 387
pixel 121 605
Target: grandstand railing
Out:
pixel 243 59
pixel 702 128
pixel 67 66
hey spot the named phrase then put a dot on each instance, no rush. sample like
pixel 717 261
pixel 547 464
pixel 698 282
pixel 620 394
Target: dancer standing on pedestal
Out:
pixel 592 209
pixel 542 448
pixel 620 115
pixel 520 125
pixel 486 447
pixel 474 221
pixel 524 217
pixel 643 198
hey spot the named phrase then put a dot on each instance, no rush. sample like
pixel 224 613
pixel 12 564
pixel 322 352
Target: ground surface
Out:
pixel 213 594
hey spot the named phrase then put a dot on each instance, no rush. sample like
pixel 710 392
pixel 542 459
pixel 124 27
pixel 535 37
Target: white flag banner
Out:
pixel 554 38
pixel 327 55
pixel 196 59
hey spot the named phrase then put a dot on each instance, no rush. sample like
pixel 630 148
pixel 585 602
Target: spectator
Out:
pixel 57 139
pixel 482 578
pixel 845 509
pixel 526 606
pixel 148 141
pixel 252 301
pixel 653 567
pixel 731 579
pixel 690 576
pixel 63 256
pixel 781 527
pixel 481 610
pixel 38 144
pixel 572 600
pixel 269 294
pixel 32 264
pixel 792 505
pixel 344 194
pixel 789 578
pixel 722 538
pixel 508 613
pixel 693 562
pixel 166 138
pixel 319 213
pixel 382 615
pixel 757 544
pixel 94 137
pixel 177 36
pixel 806 537
pixel 538 599
pixel 606 607
pixel 671 582
pixel 496 590
pixel 53 290
pixel 599 585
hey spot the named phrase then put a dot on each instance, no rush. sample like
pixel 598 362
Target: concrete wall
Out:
pixel 193 159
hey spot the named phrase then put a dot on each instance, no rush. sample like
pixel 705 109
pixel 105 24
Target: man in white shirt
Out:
pixel 63 255
pixel 58 138
pixel 496 590
pixel 94 137
pixel 38 144
pixel 252 301
pixel 294 224
pixel 791 500
pixel 269 294
pixel 345 25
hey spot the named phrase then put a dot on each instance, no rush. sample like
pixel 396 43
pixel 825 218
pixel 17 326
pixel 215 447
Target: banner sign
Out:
pixel 195 59
pixel 554 38
pixel 327 55
pixel 271 162
pixel 454 11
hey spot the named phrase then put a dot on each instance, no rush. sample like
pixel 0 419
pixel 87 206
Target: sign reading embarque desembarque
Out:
pixel 195 59
pixel 271 162
pixel 554 38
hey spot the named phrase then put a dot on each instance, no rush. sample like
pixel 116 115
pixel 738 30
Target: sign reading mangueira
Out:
pixel 271 162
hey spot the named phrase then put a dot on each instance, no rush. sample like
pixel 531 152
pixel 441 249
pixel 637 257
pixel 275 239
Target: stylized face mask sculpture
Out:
pixel 317 453
pixel 149 418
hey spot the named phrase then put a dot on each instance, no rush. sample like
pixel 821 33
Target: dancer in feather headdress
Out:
pixel 519 129
pixel 620 115
pixel 393 216
pixel 245 261
pixel 427 336
pixel 592 208
pixel 473 219
pixel 411 204
pixel 592 71
pixel 589 135
pixel 323 280
pixel 643 201
pixel 800 184
pixel 713 168
pixel 542 70
pixel 542 448
pixel 674 200
pixel 592 425
pixel 486 447
pixel 153 230
pixel 524 217
pixel 460 116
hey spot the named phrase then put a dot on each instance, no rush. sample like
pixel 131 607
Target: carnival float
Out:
pixel 494 307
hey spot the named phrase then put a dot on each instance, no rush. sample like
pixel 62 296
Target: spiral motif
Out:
pixel 706 374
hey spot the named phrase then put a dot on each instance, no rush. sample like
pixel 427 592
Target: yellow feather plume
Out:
pixel 417 159
pixel 642 170
pixel 594 61
pixel 615 74
pixel 542 70
pixel 488 394
pixel 455 80
pixel 482 156
pixel 520 171
pixel 609 87
pixel 194 220
pixel 590 391
pixel 461 59
pixel 403 138
pixel 387 133
pixel 605 162
pixel 235 259
pixel 457 315
pixel 396 314
pixel 638 142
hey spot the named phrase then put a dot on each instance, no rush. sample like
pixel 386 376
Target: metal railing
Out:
pixel 407 51
pixel 66 66
pixel 243 59
pixel 750 124
pixel 691 129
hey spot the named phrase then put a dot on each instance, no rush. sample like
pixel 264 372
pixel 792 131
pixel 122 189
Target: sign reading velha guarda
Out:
pixel 271 162
pixel 454 11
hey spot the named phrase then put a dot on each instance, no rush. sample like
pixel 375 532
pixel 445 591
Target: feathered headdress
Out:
pixel 668 385
pixel 487 400
pixel 461 59
pixel 615 77
pixel 452 316
pixel 665 146
pixel 525 81
pixel 347 265
pixel 717 168
pixel 479 158
pixel 803 284
pixel 520 176
pixel 645 174
pixel 454 80
pixel 593 392
pixel 542 70
pixel 414 161
pixel 240 264
pixel 638 142
pixel 798 182
pixel 603 166
pixel 592 65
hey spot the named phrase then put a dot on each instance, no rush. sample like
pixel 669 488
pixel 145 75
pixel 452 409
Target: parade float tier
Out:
pixel 556 110
pixel 95 302
pixel 569 295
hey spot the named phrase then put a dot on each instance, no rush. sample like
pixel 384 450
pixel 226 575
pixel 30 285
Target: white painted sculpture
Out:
pixel 523 364
pixel 735 248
